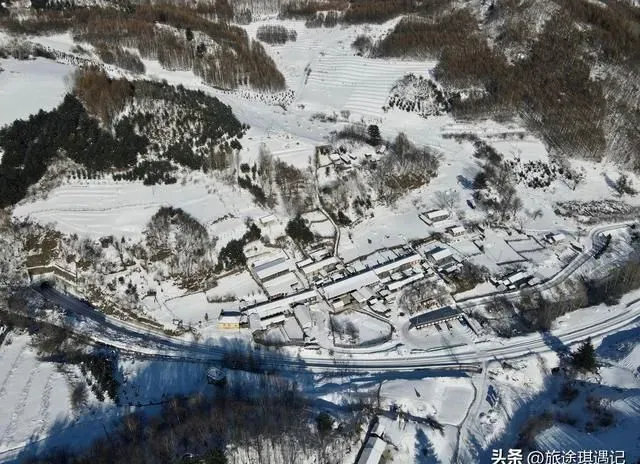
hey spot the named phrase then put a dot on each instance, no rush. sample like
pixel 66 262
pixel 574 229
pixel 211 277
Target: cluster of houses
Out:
pixel 370 284
pixel 324 283
pixel 514 281
pixel 340 158
pixel 438 216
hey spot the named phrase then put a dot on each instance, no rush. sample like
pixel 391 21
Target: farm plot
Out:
pixel 240 286
pixel 31 85
pixel 498 251
pixel 102 208
pixel 191 309
pixel 446 399
pixel 336 82
pixel 354 328
pixel 33 394
pixel 466 247
pixel 323 228
pixel 525 245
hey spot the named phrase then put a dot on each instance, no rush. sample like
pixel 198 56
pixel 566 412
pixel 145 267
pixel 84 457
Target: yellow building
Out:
pixel 229 321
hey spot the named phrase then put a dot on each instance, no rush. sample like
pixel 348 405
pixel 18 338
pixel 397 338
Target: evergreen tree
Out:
pixel 232 255
pixel 298 230
pixel 324 423
pixel 585 358
pixel 374 134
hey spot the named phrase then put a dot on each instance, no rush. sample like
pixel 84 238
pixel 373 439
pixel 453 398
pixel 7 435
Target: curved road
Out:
pixel 133 338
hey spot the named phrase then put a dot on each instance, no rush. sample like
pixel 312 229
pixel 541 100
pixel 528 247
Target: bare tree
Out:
pixel 447 199
pixel 265 170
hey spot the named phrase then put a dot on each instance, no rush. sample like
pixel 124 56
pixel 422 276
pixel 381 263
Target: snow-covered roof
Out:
pixel 304 262
pixel 517 277
pixel 437 214
pixel 358 296
pixel 293 330
pixel 267 219
pixel 386 267
pixel 378 307
pixel 366 292
pixel 357 266
pixel 311 268
pixel 274 267
pixel 276 306
pixel 278 318
pixel 372 451
pixel 439 254
pixel 379 430
pixel 558 237
pixel 319 254
pixel 456 230
pixel 267 263
pixel 433 317
pixel 229 318
pixel 303 315
pixel 393 286
pixel 254 322
pixel 350 284
pixel 281 284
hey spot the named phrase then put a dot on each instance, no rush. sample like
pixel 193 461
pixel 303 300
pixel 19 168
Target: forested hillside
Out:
pixel 563 77
pixel 196 37
pixel 163 128
pixel 564 67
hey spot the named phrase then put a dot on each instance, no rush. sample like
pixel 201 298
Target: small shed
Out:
pixel 302 313
pixel 555 238
pixel 268 219
pixel 440 255
pixel 229 320
pixel 437 215
pixel 456 231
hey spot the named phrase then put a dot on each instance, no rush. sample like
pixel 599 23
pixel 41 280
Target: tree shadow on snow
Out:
pixel 548 400
pixel 148 384
pixel 425 452
pixel 619 345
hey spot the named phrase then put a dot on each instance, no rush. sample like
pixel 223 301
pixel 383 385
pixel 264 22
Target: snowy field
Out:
pixel 326 77
pixel 369 329
pixel 105 207
pixel 34 394
pixel 29 86
pixel 447 400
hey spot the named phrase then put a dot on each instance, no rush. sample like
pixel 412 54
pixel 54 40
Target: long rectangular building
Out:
pixel 390 266
pixel 272 269
pixel 372 451
pixel 398 284
pixel 271 308
pixel 313 268
pixel 443 314
pixel 350 284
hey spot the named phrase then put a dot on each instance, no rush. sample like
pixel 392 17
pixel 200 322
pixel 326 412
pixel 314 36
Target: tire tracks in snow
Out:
pixel 18 411
pixel 45 404
pixel 11 373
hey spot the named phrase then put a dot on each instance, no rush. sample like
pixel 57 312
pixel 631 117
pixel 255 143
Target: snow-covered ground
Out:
pixel 100 208
pixel 478 411
pixel 26 87
pixel 34 395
